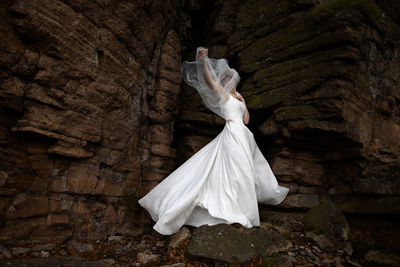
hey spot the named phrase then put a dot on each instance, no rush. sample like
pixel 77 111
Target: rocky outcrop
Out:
pixel 90 91
pixel 88 94
pixel 224 243
pixel 320 79
pixel 327 223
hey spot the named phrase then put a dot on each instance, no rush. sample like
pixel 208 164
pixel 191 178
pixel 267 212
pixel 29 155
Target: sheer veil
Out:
pixel 219 70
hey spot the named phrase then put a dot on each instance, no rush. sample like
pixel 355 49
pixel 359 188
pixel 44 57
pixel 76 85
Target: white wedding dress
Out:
pixel 221 183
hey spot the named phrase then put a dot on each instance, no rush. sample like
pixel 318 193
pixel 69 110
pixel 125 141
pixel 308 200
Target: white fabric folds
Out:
pixel 221 183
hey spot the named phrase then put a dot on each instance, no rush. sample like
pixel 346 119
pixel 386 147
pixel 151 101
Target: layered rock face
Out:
pixel 321 81
pixel 89 94
pixel 88 90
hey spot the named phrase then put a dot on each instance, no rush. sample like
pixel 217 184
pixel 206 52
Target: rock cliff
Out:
pixel 93 112
pixel 321 81
pixel 88 92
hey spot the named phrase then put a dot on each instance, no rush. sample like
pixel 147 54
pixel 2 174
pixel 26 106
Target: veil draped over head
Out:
pixel 193 74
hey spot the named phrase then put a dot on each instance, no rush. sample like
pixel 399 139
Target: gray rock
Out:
pixel 225 243
pixel 322 241
pixel 279 261
pixel 327 219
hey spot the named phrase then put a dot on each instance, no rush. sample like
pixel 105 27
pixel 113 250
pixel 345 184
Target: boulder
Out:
pixel 327 219
pixel 223 242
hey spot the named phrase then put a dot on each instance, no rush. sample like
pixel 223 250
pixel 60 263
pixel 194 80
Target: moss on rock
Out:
pixel 327 219
pixel 370 9
pixel 296 112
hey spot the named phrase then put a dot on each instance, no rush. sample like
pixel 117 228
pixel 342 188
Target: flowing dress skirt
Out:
pixel 221 183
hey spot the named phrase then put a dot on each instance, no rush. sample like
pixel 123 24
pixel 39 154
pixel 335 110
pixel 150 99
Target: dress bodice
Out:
pixel 233 109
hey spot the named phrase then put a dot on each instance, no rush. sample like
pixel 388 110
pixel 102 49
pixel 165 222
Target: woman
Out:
pixel 225 180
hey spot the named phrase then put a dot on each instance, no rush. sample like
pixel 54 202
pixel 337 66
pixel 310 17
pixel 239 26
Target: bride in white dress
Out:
pixel 225 180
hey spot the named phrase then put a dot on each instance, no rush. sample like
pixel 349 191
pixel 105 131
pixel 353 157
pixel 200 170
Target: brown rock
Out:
pixel 69 150
pixel 79 178
pixel 268 127
pixel 75 246
pixel 58 219
pixel 60 203
pixel 160 134
pixel 110 183
pixel 301 171
pixel 145 258
pixel 14 230
pixel 100 84
pixel 53 234
pixel 162 150
pixel 300 201
pixel 24 205
pixel 80 80
pixel 3 177
pixel 326 94
pixel 179 237
pixel 381 258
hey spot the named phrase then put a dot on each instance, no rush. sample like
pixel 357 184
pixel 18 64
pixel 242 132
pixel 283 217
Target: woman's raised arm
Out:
pixel 213 84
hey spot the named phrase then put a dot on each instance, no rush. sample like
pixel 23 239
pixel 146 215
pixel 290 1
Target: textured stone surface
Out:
pixel 320 79
pixel 222 242
pixel 382 258
pixel 88 94
pixel 90 90
pixel 57 261
pixel 178 238
pixel 328 220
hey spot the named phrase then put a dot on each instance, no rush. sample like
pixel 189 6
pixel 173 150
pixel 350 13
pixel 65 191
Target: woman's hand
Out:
pixel 241 99
pixel 207 77
pixel 246 115
pixel 202 53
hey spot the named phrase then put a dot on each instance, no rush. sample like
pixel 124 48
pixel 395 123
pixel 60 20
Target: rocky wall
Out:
pixel 88 93
pixel 321 80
